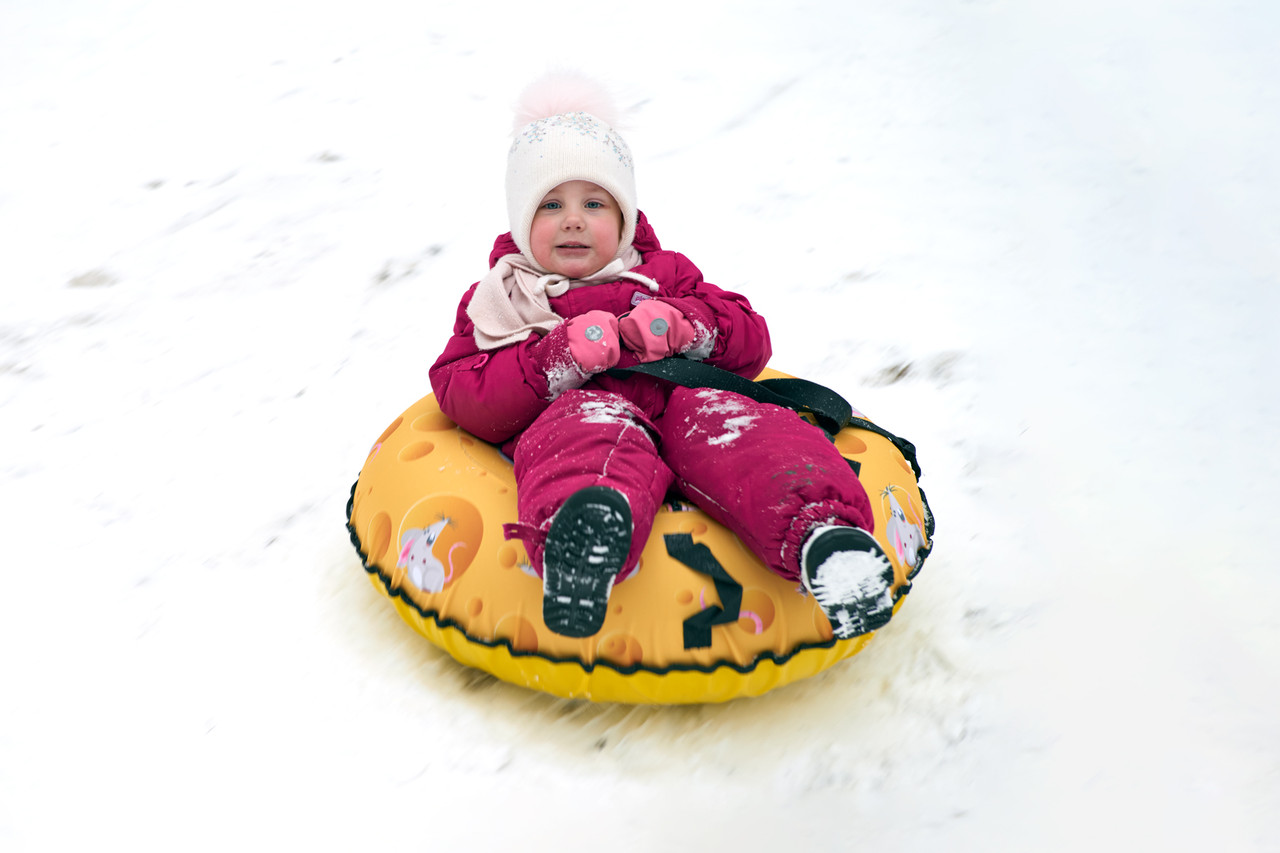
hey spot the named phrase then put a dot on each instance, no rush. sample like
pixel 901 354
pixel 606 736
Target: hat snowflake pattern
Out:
pixel 564 133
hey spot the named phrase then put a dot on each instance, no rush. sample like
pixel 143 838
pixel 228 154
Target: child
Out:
pixel 581 285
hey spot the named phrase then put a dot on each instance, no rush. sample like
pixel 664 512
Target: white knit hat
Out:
pixel 566 141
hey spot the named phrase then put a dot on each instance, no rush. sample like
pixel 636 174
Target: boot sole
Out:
pixel 857 598
pixel 587 545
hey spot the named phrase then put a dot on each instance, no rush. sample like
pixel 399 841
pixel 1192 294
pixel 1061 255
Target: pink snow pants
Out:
pixel 758 469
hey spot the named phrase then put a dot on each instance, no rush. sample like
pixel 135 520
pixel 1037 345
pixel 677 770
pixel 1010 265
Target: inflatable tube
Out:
pixel 426 516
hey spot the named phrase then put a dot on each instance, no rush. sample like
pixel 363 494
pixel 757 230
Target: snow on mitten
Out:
pixel 655 329
pixel 575 350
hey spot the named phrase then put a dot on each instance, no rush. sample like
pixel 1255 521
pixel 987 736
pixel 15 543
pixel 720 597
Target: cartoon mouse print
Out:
pixel 906 536
pixel 425 569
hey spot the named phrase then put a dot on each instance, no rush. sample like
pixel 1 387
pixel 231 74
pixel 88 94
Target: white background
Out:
pixel 1038 239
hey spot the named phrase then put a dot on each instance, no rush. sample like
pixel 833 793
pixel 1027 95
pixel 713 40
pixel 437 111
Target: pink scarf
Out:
pixel 512 301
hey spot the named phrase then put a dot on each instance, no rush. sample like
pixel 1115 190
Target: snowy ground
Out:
pixel 1038 239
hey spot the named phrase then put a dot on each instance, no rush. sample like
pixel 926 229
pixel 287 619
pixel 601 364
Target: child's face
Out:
pixel 576 229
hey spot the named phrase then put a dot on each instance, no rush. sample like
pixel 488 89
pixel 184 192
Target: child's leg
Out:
pixel 588 438
pixel 761 471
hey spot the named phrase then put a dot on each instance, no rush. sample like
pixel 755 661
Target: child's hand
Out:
pixel 593 340
pixel 655 330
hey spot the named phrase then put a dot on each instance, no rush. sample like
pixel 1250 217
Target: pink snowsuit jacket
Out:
pixel 759 469
pixel 496 395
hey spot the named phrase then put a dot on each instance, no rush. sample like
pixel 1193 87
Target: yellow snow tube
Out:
pixel 426 517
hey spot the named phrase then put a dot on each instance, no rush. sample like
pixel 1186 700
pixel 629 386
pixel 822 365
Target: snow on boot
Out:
pixel 587 546
pixel 850 577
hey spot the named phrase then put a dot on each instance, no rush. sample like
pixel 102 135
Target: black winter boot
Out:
pixel 846 570
pixel 587 545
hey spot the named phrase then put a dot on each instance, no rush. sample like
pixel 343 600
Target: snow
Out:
pixel 718 404
pixel 1039 240
pixel 734 428
pixel 849 582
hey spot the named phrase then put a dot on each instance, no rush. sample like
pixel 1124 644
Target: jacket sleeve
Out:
pixel 495 394
pixel 729 334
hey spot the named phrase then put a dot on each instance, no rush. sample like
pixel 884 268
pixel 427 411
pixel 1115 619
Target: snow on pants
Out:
pixel 758 469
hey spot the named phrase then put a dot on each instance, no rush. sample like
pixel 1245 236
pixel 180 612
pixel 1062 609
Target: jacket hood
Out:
pixel 644 242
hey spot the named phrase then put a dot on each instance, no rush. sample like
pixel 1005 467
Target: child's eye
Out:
pixel 551 205
pixel 594 205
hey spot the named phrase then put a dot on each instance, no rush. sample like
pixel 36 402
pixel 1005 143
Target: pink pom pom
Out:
pixel 565 92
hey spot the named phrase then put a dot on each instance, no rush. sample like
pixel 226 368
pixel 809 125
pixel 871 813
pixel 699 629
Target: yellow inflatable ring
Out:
pixel 426 516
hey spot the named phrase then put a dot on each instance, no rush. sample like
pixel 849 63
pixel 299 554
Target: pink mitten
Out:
pixel 593 340
pixel 655 329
